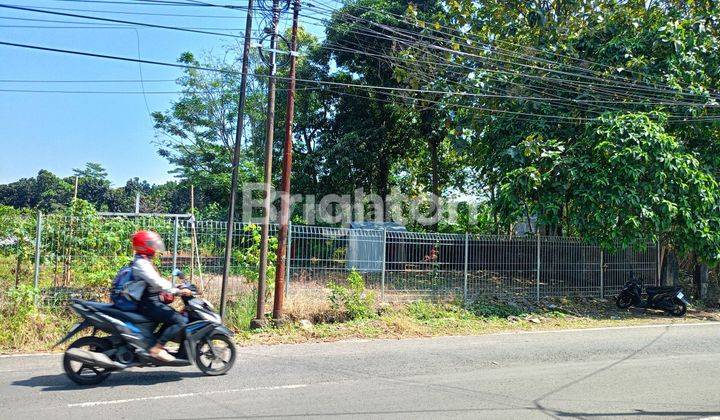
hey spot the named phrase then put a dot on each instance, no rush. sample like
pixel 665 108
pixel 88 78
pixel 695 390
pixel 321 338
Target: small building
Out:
pixel 365 245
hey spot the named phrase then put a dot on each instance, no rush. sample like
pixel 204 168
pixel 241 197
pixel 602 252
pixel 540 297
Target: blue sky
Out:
pixel 59 132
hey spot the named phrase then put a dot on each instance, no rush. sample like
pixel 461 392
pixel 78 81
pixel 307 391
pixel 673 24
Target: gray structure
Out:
pixel 366 242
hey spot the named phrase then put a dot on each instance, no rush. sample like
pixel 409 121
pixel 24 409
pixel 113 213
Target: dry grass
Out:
pixel 307 301
pixel 397 321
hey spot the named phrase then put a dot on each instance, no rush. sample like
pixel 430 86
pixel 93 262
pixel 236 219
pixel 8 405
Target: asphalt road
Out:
pixel 646 372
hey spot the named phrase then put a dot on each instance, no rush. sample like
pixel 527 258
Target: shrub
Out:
pixel 353 301
pixel 240 312
pixel 489 309
pixel 427 311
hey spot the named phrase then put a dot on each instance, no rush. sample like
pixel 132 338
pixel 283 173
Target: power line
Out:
pixel 413 36
pixel 129 92
pixel 86 80
pixel 306 81
pixel 116 12
pixel 127 22
pixel 134 3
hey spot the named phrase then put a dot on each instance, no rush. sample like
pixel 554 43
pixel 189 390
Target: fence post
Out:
pixel 658 263
pixel 175 243
pixel 38 241
pixel 537 275
pixel 287 258
pixel 602 274
pixel 382 271
pixel 465 270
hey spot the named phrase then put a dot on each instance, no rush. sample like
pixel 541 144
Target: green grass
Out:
pixel 429 319
pixel 27 328
pixel 241 311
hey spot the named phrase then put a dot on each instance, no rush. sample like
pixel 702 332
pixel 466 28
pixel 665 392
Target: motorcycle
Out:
pixel 91 359
pixel 670 299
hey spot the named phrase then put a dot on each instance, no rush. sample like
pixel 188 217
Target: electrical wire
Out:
pixel 127 22
pixel 411 35
pixel 303 81
pixel 463 36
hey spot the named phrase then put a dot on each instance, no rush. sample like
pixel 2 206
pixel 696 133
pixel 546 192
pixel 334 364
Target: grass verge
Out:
pixel 427 319
pixel 312 318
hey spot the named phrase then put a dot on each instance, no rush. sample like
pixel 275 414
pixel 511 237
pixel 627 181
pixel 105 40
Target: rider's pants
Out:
pixel 151 306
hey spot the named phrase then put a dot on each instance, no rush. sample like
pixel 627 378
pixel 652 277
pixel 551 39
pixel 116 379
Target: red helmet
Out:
pixel 146 242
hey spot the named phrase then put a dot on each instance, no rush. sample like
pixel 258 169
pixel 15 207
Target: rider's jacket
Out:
pixel 143 269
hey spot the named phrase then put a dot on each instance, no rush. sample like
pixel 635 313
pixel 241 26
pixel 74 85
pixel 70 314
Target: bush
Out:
pixel 240 312
pixel 427 311
pixel 352 301
pixel 489 309
pixel 27 327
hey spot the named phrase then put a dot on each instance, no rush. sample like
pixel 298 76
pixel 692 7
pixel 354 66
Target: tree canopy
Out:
pixel 595 118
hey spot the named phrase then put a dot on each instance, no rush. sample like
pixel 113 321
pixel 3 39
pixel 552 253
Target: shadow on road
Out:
pixel 556 413
pixel 633 413
pixel 60 382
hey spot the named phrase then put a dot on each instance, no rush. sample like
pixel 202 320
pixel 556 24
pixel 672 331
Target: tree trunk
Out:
pixel 669 273
pixel 700 279
pixel 382 184
pixel 494 212
pixel 435 181
pixel 18 267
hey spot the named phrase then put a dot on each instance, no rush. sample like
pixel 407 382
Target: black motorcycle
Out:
pixel 90 360
pixel 670 299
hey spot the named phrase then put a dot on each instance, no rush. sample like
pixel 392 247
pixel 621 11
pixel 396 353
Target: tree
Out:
pixel 51 192
pixel 198 133
pixel 637 183
pixel 93 184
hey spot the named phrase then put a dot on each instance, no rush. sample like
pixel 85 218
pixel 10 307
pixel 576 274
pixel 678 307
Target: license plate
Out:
pixel 680 295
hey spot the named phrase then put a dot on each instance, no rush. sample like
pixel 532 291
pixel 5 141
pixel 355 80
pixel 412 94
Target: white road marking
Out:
pixel 8 356
pixel 190 394
pixel 622 327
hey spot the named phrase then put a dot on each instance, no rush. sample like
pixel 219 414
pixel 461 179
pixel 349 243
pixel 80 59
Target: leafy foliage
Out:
pixel 638 182
pixel 353 300
pixel 490 309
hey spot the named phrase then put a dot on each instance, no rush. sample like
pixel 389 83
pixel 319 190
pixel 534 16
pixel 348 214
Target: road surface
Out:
pixel 658 371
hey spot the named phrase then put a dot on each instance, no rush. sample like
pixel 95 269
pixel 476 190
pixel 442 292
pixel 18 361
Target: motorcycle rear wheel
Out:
pixel 624 300
pixel 215 355
pixel 81 373
pixel 679 308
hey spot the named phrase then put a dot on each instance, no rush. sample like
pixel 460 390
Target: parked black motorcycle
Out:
pixel 670 299
pixel 90 360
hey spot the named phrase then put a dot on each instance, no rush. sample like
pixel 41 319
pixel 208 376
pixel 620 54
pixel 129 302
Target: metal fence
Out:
pixel 87 251
pixel 467 265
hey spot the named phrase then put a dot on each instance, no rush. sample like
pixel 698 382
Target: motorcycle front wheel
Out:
pixel 215 355
pixel 81 373
pixel 678 308
pixel 624 300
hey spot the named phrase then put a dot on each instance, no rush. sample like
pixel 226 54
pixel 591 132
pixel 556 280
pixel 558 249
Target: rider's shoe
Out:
pixel 163 356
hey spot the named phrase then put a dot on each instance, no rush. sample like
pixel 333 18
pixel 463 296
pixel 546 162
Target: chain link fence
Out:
pixel 79 256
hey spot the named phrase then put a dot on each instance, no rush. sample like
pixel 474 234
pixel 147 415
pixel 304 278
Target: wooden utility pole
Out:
pixel 259 320
pixel 282 250
pixel 236 157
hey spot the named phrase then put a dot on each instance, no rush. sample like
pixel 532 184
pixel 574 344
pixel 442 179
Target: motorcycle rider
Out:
pixel 146 244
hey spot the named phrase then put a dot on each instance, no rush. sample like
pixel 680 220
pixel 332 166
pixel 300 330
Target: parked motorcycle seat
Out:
pixel 661 289
pixel 110 309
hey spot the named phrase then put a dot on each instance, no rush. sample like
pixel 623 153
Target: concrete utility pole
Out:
pixel 260 320
pixel 76 189
pixel 236 156
pixel 282 250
